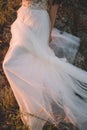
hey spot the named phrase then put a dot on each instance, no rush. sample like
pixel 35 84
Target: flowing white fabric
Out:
pixel 38 78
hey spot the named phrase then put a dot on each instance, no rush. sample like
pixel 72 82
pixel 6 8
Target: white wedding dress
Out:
pixel 39 79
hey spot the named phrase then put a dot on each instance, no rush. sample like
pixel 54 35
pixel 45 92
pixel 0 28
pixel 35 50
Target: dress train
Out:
pixel 38 78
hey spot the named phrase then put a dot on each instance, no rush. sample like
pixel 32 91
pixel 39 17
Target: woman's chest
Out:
pixel 39 3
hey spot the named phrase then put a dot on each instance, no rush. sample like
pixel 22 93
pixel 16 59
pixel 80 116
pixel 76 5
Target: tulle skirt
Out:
pixel 41 77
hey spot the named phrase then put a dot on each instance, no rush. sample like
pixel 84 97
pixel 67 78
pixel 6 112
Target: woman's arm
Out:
pixel 52 13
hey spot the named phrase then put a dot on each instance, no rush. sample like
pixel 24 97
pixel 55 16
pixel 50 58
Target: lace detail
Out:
pixel 36 4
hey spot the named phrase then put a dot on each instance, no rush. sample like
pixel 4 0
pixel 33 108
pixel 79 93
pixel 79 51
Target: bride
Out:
pixel 40 79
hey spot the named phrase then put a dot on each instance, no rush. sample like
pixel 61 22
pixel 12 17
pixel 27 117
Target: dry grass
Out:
pixel 7 10
pixel 9 111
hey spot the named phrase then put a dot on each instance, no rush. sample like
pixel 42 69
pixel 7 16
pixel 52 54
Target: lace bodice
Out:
pixel 39 4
